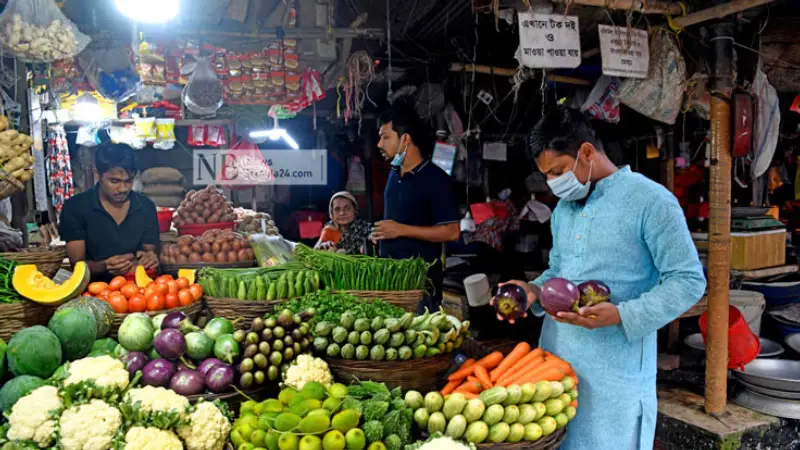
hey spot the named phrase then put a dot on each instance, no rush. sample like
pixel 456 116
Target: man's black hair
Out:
pixel 562 130
pixel 404 119
pixel 111 156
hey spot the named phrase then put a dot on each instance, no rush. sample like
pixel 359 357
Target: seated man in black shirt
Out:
pixel 110 227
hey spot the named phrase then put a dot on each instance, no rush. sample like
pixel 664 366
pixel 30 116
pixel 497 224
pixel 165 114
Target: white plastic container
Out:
pixel 752 305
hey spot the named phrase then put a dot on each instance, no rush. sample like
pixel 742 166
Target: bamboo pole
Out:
pixel 718 11
pixel 506 72
pixel 719 224
pixel 644 7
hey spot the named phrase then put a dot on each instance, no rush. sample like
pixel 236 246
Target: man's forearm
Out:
pixel 96 267
pixel 437 233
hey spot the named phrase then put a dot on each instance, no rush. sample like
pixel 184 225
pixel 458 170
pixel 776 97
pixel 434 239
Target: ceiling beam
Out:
pixel 718 12
pixel 640 6
pixel 508 72
pixel 271 33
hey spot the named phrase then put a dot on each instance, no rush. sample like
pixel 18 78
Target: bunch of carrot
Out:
pixel 522 365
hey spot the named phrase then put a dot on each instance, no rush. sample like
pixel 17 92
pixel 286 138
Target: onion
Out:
pixel 559 295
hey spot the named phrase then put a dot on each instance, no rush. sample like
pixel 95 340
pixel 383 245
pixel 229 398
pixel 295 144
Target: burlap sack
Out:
pixel 164 190
pixel 167 201
pixel 162 175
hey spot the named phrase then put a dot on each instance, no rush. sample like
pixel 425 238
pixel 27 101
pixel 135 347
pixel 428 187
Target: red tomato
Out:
pixel 119 304
pixel 173 287
pixel 155 302
pixel 183 283
pixel 164 279
pixel 162 288
pixel 97 287
pixel 196 290
pixel 185 297
pixel 137 303
pixel 129 290
pixel 172 301
pixel 117 283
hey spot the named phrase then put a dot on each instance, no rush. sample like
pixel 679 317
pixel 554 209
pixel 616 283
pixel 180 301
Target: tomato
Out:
pixel 162 288
pixel 173 287
pixel 117 283
pixel 155 302
pixel 104 295
pixel 164 279
pixel 97 287
pixel 171 301
pixel 129 290
pixel 137 304
pixel 183 283
pixel 185 297
pixel 119 304
pixel 196 290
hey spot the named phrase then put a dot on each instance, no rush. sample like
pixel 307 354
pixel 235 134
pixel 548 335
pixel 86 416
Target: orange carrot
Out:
pixel 469 395
pixel 547 371
pixel 506 379
pixel 463 371
pixel 519 351
pixel 491 360
pixel 468 386
pixel 450 387
pixel 472 379
pixel 525 362
pixel 483 376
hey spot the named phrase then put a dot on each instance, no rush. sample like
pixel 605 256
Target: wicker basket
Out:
pixel 228 396
pixel 191 311
pixel 16 316
pixel 47 260
pixel 232 308
pixel 424 374
pixel 551 442
pixel 9 186
pixel 407 300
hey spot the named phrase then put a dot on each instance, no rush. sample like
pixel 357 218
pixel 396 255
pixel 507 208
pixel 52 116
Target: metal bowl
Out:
pixel 789 409
pixel 771 392
pixel 778 374
pixel 769 349
pixel 793 341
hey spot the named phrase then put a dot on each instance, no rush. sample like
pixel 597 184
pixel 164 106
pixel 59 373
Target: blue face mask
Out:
pixel 567 187
pixel 399 157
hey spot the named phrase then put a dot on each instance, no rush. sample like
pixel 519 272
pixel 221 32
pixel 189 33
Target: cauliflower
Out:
pixel 91 426
pixel 444 443
pixel 33 417
pixel 307 368
pixel 140 438
pixel 208 430
pixel 104 371
pixel 157 399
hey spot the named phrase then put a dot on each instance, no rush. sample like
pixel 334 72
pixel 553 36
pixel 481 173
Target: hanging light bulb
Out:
pixel 149 11
pixel 275 133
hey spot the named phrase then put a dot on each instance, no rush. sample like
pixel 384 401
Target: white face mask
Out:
pixel 400 157
pixel 567 187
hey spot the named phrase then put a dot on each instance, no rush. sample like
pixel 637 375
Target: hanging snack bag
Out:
pixel 197 136
pixel 215 136
pixel 146 129
pixel 37 31
pixel 165 134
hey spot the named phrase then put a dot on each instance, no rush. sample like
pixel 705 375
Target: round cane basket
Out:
pixel 551 442
pixel 9 186
pixel 47 260
pixel 424 374
pixel 407 300
pixel 191 311
pixel 228 397
pixel 232 308
pixel 16 316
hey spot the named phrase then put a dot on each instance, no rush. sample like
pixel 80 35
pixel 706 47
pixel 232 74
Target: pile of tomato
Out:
pixel 165 292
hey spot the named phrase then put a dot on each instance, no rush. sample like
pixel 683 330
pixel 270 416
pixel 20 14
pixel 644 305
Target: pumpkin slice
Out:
pixel 188 274
pixel 33 285
pixel 142 279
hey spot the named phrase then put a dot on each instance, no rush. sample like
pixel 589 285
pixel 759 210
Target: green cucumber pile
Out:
pixel 263 284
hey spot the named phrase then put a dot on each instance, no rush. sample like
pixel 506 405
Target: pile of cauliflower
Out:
pixel 307 368
pixel 101 413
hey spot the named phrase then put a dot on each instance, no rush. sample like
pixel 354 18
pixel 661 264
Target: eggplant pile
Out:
pixel 270 345
pixel 172 352
pixel 561 295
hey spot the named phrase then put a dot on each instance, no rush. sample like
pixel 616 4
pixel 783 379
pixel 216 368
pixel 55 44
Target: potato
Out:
pixel 195 258
pixel 221 257
pixel 242 255
pixel 233 256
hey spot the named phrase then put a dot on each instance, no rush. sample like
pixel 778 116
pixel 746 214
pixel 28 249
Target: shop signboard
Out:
pixel 549 41
pixel 625 51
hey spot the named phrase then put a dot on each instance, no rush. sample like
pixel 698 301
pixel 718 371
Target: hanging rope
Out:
pixel 359 70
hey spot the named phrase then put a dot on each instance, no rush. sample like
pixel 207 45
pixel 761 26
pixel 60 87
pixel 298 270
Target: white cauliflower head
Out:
pixel 157 399
pixel 208 429
pixel 34 416
pixel 308 368
pixel 141 438
pixel 91 426
pixel 104 371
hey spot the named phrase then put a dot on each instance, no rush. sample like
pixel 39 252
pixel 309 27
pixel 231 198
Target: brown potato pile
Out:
pixel 214 246
pixel 253 224
pixel 208 205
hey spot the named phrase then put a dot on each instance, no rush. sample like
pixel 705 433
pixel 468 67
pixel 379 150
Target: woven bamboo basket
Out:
pixel 232 308
pixel 16 316
pixel 255 393
pixel 407 300
pixel 191 311
pixel 47 260
pixel 551 442
pixel 424 374
pixel 10 186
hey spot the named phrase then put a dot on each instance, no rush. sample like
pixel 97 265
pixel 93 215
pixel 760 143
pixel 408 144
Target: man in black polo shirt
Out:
pixel 110 227
pixel 419 210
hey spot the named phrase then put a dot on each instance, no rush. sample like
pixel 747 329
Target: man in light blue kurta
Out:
pixel 621 228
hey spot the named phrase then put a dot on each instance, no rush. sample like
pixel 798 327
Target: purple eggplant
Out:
pixel 134 362
pixel 219 378
pixel 158 372
pixel 559 295
pixel 170 343
pixel 510 301
pixel 187 382
pixel 208 364
pixel 594 292
pixel 173 320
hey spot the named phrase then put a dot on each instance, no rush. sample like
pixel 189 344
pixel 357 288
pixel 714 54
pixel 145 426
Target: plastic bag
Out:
pixel 356 181
pixel 37 31
pixel 271 250
pixel 165 134
pixel 203 94
pixel 111 72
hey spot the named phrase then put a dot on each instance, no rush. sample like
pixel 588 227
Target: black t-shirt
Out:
pixel 84 219
pixel 779 197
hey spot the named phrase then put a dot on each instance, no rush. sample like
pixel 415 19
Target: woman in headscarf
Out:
pixel 346 232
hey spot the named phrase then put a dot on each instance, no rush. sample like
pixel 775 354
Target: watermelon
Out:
pixel 76 329
pixel 17 388
pixel 102 312
pixel 3 347
pixel 34 351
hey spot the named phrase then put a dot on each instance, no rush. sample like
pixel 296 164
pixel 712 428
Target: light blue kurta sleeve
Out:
pixel 552 269
pixel 681 283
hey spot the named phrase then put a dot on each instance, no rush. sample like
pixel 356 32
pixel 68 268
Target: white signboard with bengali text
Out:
pixel 626 53
pixel 549 41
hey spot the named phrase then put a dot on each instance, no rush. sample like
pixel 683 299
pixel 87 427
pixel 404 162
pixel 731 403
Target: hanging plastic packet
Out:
pixel 87 136
pixel 165 134
pixel 215 136
pixel 203 94
pixel 146 129
pixel 197 136
pixel 37 31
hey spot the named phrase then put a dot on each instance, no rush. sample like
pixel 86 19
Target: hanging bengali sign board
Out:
pixel 625 51
pixel 549 41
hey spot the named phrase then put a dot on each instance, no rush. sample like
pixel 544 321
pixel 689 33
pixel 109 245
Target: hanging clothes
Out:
pixel 58 167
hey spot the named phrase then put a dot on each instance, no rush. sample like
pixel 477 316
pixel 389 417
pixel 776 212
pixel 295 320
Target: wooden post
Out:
pixel 718 11
pixel 719 225
pixel 668 180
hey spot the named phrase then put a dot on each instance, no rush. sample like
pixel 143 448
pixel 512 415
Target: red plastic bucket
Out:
pixel 164 218
pixel 743 345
